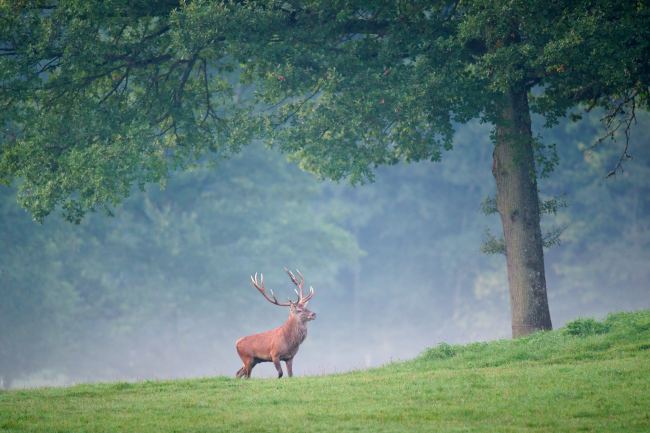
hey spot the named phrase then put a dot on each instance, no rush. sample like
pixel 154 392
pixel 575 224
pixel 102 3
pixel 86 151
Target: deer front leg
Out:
pixel 278 366
pixel 289 363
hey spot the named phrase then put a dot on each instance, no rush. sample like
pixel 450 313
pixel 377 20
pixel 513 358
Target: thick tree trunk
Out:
pixel 518 205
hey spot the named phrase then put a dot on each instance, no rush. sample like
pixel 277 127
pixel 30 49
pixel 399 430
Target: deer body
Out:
pixel 281 343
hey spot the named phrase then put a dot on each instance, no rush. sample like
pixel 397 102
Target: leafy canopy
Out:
pixel 98 96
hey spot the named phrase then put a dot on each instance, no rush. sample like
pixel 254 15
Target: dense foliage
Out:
pixel 99 96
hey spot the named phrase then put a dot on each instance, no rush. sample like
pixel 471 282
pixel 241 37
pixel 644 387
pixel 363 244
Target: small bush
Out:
pixel 630 323
pixel 586 327
pixel 441 351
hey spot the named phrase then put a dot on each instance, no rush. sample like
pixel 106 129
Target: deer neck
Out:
pixel 295 329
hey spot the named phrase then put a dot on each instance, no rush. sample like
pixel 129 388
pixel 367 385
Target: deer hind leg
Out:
pixel 244 372
pixel 247 368
pixel 278 366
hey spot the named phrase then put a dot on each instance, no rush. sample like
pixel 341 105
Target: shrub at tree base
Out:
pixel 585 327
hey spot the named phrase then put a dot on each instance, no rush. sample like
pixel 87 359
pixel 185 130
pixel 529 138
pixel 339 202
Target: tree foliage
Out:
pixel 383 82
pixel 100 96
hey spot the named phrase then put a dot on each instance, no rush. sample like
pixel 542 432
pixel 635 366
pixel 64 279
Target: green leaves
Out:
pixel 102 99
pixel 340 87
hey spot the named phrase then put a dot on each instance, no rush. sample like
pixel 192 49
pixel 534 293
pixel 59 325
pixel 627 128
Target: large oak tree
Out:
pixel 98 96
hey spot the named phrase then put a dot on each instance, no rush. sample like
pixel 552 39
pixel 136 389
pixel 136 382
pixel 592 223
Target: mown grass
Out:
pixel 588 377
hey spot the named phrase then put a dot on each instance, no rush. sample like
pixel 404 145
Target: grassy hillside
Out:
pixel 590 376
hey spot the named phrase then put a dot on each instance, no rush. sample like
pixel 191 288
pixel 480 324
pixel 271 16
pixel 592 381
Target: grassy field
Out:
pixel 587 377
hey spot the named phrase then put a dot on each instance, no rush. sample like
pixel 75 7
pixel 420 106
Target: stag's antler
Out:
pixel 302 299
pixel 260 286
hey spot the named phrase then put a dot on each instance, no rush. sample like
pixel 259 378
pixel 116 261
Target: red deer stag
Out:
pixel 279 344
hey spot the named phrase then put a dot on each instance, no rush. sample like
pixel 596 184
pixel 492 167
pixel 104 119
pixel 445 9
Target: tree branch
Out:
pixel 621 114
pixel 302 103
pixel 178 95
pixel 115 87
pixel 628 124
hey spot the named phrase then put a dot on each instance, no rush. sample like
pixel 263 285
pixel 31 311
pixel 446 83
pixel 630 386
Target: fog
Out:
pixel 162 289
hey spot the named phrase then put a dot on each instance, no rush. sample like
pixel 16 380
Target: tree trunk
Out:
pixel 518 205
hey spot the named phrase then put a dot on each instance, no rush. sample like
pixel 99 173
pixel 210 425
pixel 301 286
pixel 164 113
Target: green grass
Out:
pixel 588 377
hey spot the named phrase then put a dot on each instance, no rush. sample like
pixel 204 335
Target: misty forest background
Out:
pixel 162 289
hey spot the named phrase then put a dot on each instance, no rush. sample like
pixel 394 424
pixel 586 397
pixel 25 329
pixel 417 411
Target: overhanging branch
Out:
pixel 621 116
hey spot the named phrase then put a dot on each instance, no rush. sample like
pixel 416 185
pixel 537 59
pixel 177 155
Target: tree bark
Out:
pixel 518 205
